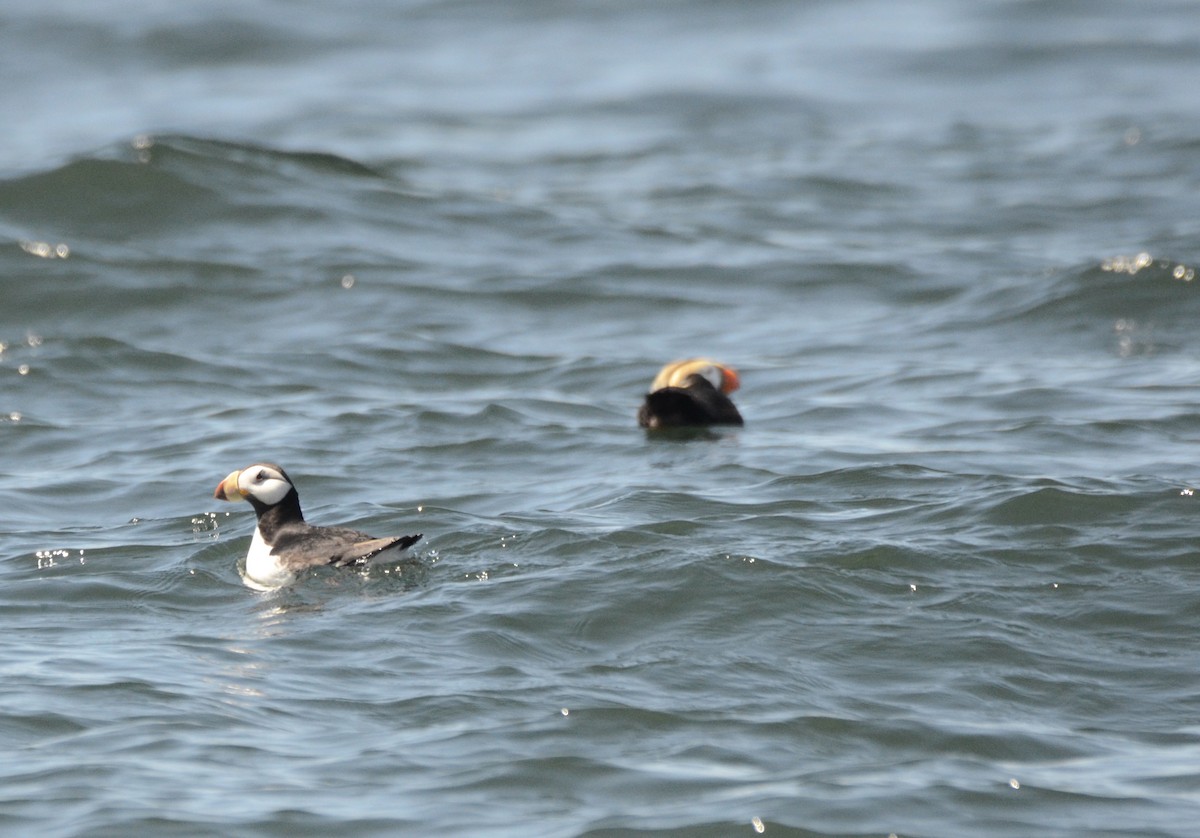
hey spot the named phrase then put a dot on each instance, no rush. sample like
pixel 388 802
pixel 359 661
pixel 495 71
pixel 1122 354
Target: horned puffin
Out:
pixel 691 393
pixel 284 544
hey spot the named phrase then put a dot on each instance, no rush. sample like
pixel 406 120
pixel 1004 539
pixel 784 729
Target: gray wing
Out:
pixel 338 546
pixel 363 551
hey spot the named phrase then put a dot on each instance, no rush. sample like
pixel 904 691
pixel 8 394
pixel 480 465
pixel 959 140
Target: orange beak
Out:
pixel 729 380
pixel 228 489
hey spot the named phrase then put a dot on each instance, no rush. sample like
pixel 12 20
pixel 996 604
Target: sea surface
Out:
pixel 428 254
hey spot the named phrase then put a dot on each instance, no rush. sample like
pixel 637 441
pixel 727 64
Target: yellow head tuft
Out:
pixel 722 377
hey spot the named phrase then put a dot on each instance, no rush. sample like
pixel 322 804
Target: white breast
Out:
pixel 263 571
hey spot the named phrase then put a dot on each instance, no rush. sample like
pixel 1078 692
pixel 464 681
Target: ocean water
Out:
pixel 428 255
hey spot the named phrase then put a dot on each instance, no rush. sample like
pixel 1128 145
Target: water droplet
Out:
pixel 1127 264
pixel 758 824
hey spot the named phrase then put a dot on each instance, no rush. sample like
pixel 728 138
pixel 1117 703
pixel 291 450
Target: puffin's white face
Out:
pixel 709 373
pixel 264 482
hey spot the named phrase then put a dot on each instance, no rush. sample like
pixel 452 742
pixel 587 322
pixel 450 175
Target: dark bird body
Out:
pixel 691 393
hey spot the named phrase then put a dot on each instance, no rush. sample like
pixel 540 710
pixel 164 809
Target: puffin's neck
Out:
pixel 272 518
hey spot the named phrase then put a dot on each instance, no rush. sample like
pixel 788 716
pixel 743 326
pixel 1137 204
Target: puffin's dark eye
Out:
pixel 262 475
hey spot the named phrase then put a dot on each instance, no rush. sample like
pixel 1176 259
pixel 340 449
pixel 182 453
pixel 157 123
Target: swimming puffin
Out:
pixel 691 393
pixel 284 544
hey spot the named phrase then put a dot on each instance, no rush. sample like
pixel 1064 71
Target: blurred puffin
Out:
pixel 691 393
pixel 284 544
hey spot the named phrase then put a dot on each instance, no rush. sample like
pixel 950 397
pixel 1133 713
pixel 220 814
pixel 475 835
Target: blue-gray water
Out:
pixel 428 255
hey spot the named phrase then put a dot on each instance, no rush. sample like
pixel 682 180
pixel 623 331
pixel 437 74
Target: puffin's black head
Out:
pixel 264 485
